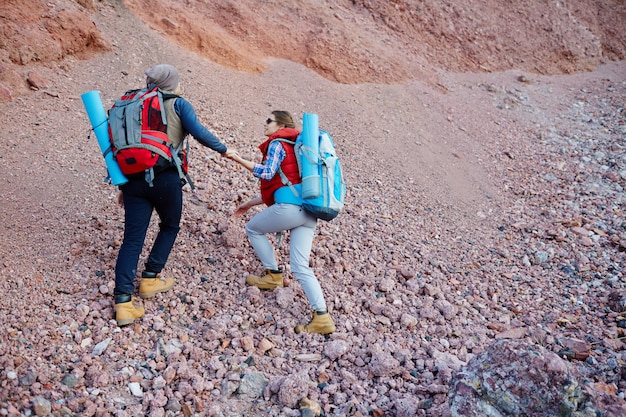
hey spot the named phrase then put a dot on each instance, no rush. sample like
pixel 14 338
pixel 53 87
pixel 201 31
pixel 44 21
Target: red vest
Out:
pixel 289 165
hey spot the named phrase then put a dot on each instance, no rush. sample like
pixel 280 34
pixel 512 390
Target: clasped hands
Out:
pixel 231 154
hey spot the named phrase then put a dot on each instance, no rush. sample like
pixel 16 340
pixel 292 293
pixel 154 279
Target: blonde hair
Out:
pixel 283 118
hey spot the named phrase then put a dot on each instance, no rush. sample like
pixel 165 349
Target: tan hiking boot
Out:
pixel 322 323
pixel 126 313
pixel 269 281
pixel 151 284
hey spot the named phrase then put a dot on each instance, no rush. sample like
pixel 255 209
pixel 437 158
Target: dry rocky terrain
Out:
pixel 484 151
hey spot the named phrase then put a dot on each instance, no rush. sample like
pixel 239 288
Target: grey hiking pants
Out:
pixel 280 217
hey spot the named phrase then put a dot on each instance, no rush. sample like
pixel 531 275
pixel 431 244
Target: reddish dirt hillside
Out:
pixel 352 41
pixel 386 41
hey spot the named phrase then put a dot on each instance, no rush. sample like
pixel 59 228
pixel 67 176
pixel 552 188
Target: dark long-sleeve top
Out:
pixel 191 124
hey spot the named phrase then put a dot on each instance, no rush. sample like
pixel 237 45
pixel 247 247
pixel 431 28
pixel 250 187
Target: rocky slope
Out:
pixel 485 202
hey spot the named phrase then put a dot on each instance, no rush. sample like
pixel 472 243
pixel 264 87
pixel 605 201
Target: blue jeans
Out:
pixel 166 198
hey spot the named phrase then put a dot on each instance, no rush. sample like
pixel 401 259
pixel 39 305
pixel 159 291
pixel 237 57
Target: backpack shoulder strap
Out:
pixel 283 177
pixel 291 142
pixel 167 96
pixel 176 160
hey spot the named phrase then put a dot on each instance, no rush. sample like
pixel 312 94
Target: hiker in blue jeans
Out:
pixel 283 212
pixel 139 198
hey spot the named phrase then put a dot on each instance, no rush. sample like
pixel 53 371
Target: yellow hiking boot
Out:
pixel 126 312
pixel 322 323
pixel 269 281
pixel 151 284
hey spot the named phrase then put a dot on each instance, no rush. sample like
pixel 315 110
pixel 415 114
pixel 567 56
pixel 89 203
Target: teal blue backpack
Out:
pixel 323 186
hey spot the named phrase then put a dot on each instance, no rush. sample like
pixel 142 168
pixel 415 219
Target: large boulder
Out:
pixel 514 378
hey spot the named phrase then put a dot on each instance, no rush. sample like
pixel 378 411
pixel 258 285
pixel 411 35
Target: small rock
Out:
pixel 265 345
pixel 408 320
pixel 5 93
pixel 575 349
pixel 135 389
pixel 386 284
pixel 516 333
pixel 169 23
pixel 86 342
pixel 70 380
pixel 172 347
pixel 41 406
pixel 407 406
pixel 540 257
pixel 28 379
pixel 407 273
pixel 383 364
pixel 336 348
pixel 581 231
pixel 36 81
pixel 293 388
pixel 310 406
pixel 252 385
pixel 158 382
pixel 173 405
pixel 247 343
pixel 82 311
pixel 101 347
pixel 309 357
pixel 586 241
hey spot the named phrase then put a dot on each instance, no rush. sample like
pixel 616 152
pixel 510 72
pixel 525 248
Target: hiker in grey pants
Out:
pixel 284 212
pixel 301 226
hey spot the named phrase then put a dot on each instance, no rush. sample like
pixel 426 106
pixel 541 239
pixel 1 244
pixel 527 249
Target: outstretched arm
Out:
pixel 243 208
pixel 191 124
pixel 249 165
pixel 266 170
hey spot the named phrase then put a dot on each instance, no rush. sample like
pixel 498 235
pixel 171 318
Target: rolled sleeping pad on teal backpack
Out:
pixel 310 156
pixel 323 186
pixel 100 124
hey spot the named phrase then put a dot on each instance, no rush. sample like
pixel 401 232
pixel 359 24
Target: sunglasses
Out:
pixel 269 121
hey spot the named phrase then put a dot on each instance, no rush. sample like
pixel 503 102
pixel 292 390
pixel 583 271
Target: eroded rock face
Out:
pixel 39 33
pixel 514 378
